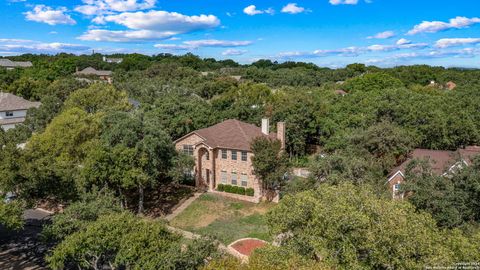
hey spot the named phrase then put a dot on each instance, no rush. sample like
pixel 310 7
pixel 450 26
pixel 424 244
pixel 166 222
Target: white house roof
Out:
pixel 10 102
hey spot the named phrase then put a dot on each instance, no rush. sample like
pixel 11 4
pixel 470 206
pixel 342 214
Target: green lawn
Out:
pixel 224 218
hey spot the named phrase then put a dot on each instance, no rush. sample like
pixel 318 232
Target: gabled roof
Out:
pixel 13 64
pixel 441 161
pixel 92 71
pixel 10 102
pixel 231 134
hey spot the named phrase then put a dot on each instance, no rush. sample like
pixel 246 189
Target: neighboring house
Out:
pixel 340 92
pixel 13 110
pixel 104 75
pixel 9 64
pixel 223 156
pixel 450 85
pixel 443 163
pixel 112 60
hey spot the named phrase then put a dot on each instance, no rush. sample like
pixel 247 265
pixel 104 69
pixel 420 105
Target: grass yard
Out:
pixel 224 218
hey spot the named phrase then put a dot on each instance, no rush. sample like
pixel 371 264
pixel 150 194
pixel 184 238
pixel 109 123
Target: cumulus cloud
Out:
pixel 450 42
pixel 293 8
pixel 252 10
pixel 233 52
pixel 437 26
pixel 97 7
pixel 151 25
pixel 48 15
pixel 343 2
pixel 195 44
pixel 403 41
pixel 382 35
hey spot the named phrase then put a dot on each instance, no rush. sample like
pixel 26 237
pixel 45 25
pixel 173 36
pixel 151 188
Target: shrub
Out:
pixel 227 188
pixel 220 187
pixel 241 190
pixel 249 192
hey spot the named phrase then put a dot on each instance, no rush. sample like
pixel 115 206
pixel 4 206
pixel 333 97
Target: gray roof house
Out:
pixel 105 75
pixel 13 110
pixel 9 64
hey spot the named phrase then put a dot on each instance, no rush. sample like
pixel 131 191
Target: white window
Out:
pixel 188 149
pixel 224 154
pixel 9 114
pixel 223 176
pixel 396 187
pixel 234 178
pixel 244 179
pixel 234 155
pixel 244 155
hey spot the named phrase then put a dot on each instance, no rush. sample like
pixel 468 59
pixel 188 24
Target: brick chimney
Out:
pixel 281 133
pixel 265 126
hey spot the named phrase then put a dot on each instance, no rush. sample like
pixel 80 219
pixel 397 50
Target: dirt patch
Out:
pixel 247 246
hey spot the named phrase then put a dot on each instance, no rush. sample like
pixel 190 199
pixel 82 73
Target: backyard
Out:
pixel 224 218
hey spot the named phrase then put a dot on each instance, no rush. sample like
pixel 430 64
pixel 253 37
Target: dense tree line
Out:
pixel 88 137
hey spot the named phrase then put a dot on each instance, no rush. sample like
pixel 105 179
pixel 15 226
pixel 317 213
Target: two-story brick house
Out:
pixel 223 156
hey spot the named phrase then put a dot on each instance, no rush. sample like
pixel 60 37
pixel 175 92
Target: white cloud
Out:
pixel 343 2
pixel 151 25
pixel 17 46
pixel 48 15
pixel 195 44
pixel 98 7
pixel 124 35
pixel 403 41
pixel 232 52
pixel 450 42
pixel 382 35
pixel 164 21
pixel 437 26
pixel 252 10
pixel 293 8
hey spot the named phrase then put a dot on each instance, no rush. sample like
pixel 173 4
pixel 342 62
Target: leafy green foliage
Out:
pixel 11 214
pixel 122 240
pixel 348 227
pixel 270 163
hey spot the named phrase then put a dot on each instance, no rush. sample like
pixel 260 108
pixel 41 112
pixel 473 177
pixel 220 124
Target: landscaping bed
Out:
pixel 247 246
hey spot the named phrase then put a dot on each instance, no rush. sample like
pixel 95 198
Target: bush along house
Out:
pixel 223 157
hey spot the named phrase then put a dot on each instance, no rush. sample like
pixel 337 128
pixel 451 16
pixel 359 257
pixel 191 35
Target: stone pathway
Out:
pixel 183 206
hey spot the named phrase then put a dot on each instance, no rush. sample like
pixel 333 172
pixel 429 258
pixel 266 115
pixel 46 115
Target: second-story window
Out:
pixel 234 155
pixel 224 154
pixel 188 149
pixel 244 155
pixel 9 114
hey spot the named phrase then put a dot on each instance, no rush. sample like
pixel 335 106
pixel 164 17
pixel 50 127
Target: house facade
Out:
pixel 223 156
pixel 13 110
pixel 443 163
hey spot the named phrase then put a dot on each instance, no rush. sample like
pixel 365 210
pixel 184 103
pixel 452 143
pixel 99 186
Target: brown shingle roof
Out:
pixel 231 134
pixel 9 102
pixel 440 160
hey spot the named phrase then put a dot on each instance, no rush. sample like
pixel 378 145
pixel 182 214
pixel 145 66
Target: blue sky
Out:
pixel 329 33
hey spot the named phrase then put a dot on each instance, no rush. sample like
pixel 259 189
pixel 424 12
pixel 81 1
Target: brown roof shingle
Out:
pixel 231 134
pixel 92 71
pixel 10 102
pixel 440 160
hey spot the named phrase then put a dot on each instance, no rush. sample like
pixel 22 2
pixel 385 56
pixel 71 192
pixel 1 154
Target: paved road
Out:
pixel 23 249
